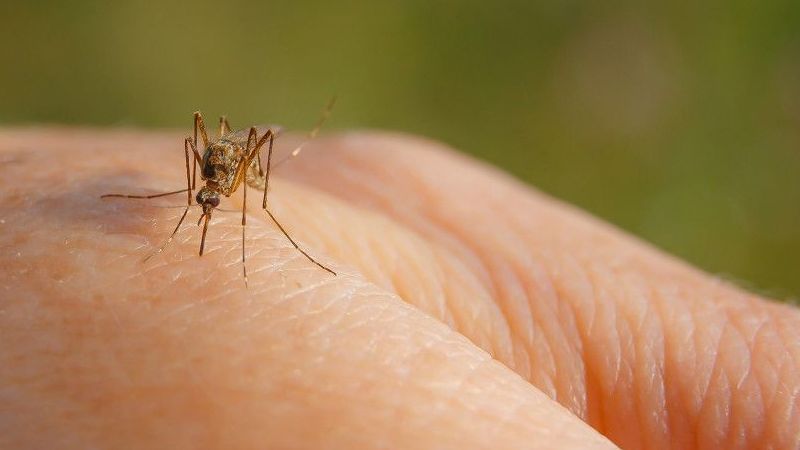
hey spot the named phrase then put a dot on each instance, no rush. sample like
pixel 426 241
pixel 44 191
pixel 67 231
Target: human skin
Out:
pixel 469 311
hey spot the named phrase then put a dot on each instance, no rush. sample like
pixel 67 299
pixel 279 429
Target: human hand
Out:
pixel 439 259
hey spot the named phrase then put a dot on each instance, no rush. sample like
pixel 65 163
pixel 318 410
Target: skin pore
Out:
pixel 469 311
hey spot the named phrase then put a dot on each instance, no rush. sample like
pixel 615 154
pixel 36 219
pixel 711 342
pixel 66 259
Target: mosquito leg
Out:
pixel 201 126
pixel 185 211
pixel 252 139
pixel 189 186
pixel 271 216
pixel 266 177
pixel 198 125
pixel 283 230
pixel 270 134
pixel 188 190
pixel 244 227
pixel 145 196
pixel 224 126
pixel 197 158
pixel 171 236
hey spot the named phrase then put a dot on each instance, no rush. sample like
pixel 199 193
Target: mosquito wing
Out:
pixel 240 136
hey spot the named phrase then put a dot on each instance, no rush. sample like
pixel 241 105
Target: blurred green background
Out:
pixel 676 120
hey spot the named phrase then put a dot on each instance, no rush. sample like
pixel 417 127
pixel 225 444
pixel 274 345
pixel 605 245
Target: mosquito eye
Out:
pixel 213 201
pixel 198 199
pixel 208 171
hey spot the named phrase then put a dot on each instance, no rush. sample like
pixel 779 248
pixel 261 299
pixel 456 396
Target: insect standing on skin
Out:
pixel 233 160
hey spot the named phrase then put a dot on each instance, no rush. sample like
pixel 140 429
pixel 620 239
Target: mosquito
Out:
pixel 230 161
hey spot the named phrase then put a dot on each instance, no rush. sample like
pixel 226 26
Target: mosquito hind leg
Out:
pixel 272 216
pixel 297 247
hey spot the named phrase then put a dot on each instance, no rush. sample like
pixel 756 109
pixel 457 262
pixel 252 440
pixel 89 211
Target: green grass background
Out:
pixel 676 120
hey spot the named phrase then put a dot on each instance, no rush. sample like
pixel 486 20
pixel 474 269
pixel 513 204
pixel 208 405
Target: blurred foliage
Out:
pixel 675 120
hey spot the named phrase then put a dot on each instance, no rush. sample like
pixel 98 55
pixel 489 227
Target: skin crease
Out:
pixel 465 302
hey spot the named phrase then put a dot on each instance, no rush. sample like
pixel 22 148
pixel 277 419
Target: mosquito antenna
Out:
pixel 314 131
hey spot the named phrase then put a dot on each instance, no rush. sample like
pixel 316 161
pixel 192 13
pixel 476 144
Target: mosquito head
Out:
pixel 208 199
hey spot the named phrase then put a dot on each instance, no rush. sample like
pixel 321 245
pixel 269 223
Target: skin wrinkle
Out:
pixel 446 307
pixel 617 367
pixel 792 401
pixel 435 304
pixel 529 290
pixel 497 340
pixel 392 281
pixel 748 423
pixel 580 286
pixel 659 413
pixel 666 272
pixel 572 393
pixel 421 302
pixel 521 329
pixel 676 361
pixel 523 315
pixel 733 338
pixel 383 199
pixel 649 352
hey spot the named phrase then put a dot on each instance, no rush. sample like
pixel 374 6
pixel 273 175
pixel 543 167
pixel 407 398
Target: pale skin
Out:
pixel 468 311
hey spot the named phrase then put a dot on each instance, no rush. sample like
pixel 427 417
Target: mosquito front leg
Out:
pixel 252 139
pixel 188 189
pixel 145 196
pixel 198 125
pixel 201 126
pixel 186 145
pixel 198 160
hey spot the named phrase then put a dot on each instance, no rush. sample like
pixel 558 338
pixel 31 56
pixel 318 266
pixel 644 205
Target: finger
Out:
pixel 650 351
pixel 98 350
